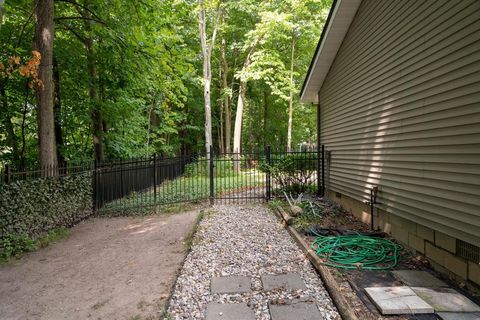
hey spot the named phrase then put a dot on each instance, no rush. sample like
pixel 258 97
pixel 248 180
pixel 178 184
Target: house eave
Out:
pixel 339 19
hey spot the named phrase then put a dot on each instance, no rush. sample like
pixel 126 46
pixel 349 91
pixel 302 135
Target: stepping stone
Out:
pixel 397 300
pixel 230 284
pixel 446 300
pixel 415 278
pixel 229 311
pixel 459 315
pixel 297 311
pixel 288 281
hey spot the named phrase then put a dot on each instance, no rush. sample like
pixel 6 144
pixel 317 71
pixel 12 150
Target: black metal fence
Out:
pixel 145 184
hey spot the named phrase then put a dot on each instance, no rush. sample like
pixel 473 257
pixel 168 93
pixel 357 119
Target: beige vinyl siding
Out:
pixel 400 108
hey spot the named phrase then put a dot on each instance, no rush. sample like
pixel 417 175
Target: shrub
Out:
pixel 294 173
pixel 30 209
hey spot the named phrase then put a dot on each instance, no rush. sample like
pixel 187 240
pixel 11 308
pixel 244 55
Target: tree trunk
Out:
pixel 95 112
pixel 207 77
pixel 220 132
pixel 237 135
pixel 265 114
pixel 221 138
pixel 44 33
pixel 207 68
pixel 57 111
pixel 290 101
pixel 226 99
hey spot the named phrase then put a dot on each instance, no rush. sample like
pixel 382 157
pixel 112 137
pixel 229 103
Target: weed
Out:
pixel 304 221
pixel 52 236
pixel 12 246
pixel 188 242
pixel 168 316
pixel 276 203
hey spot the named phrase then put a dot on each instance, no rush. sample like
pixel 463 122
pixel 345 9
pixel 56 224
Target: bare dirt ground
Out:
pixel 108 268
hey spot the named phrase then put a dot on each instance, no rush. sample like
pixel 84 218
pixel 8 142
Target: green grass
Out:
pixel 184 189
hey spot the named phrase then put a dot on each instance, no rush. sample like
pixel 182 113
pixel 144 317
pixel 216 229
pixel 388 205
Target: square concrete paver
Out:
pixel 397 300
pixel 459 315
pixel 231 284
pixel 297 311
pixel 229 311
pixel 288 281
pixel 414 278
pixel 446 300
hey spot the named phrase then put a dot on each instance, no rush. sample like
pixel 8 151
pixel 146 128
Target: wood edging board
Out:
pixel 344 309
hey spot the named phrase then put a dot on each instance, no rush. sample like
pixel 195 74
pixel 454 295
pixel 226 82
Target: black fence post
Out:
pixel 319 170
pixel 94 187
pixel 212 187
pixel 122 189
pixel 323 170
pixel 268 176
pixel 155 181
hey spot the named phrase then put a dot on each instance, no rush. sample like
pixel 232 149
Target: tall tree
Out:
pixel 207 49
pixel 226 94
pixel 44 34
pixel 290 100
pixel 96 113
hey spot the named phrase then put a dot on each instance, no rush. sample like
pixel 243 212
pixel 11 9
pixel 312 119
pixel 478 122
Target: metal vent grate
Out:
pixel 468 251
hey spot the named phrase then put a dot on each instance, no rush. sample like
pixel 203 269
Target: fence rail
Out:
pixel 138 184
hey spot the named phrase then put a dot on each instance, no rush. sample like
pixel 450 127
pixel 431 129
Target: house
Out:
pixel 397 87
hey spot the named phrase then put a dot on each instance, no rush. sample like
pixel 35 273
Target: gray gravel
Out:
pixel 244 240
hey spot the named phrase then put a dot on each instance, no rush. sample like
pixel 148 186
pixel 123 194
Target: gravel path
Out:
pixel 244 240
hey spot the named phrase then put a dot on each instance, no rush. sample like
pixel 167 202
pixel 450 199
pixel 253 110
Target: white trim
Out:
pixel 338 25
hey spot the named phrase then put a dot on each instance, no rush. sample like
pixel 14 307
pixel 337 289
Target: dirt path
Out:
pixel 118 268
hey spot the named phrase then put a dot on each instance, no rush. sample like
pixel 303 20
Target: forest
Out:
pixel 90 79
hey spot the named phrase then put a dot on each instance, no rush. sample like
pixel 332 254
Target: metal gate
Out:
pixel 220 178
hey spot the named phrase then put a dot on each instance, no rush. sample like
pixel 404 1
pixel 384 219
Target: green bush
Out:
pixel 293 173
pixel 30 209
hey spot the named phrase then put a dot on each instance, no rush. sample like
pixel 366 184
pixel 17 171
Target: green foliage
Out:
pixel 222 167
pixel 52 236
pixel 276 203
pixel 149 92
pixel 32 208
pixel 294 173
pixel 13 245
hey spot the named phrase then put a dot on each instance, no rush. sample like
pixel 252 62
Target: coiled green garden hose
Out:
pixel 357 252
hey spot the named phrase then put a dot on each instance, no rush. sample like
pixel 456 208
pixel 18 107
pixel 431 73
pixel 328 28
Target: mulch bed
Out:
pixel 352 282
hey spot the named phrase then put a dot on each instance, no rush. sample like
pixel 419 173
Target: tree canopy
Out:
pixel 128 77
